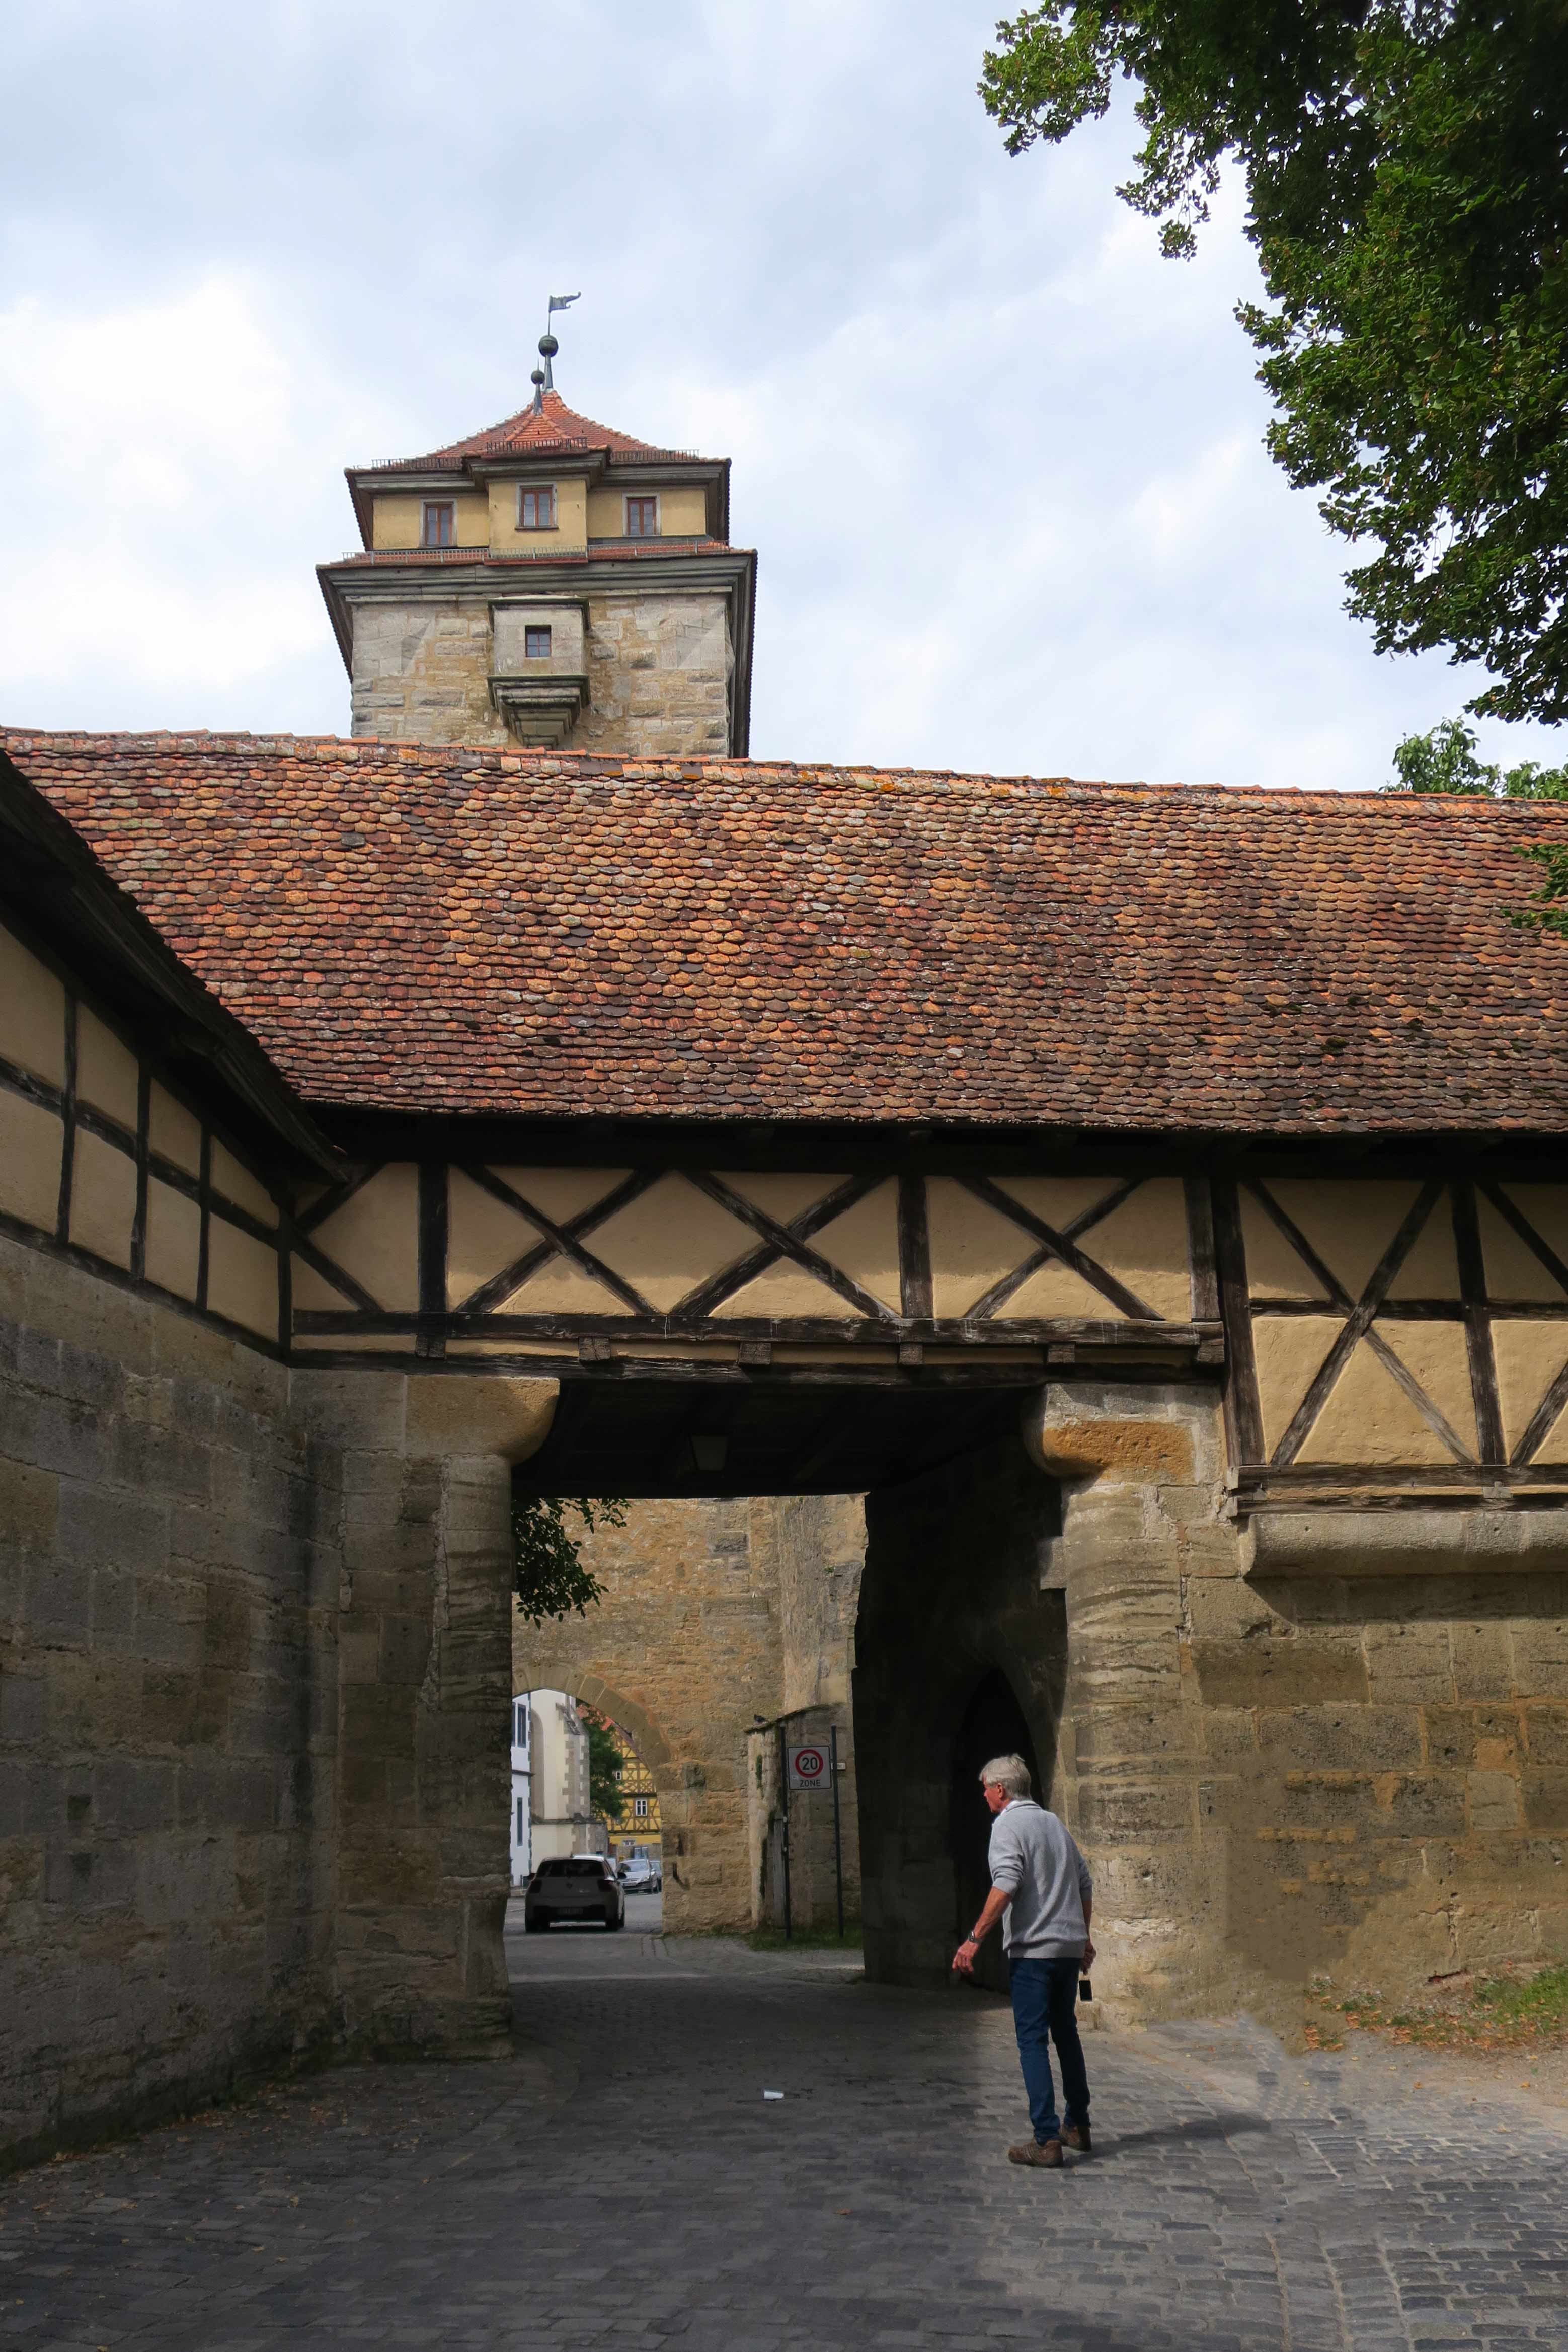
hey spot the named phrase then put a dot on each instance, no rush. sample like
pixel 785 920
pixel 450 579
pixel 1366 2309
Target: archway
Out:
pixel 581 1782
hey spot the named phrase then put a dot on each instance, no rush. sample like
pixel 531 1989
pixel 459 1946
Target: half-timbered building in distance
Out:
pixel 1151 1200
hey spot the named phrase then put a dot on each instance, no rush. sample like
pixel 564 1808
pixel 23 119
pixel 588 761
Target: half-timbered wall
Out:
pixel 1387 1333
pixel 101 1156
pixel 772 1270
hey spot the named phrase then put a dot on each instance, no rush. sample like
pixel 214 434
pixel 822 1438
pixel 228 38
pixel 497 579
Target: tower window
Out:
pixel 536 644
pixel 536 509
pixel 642 517
pixel 439 518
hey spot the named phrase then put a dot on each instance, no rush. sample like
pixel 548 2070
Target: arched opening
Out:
pixel 992 1724
pixel 581 1788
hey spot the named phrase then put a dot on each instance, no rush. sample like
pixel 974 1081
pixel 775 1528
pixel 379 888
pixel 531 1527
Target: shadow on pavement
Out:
pixel 1221 2127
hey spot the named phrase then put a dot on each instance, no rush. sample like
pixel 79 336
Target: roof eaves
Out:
pixel 63 894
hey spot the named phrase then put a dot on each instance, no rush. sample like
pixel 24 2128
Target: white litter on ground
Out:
pixel 773 2094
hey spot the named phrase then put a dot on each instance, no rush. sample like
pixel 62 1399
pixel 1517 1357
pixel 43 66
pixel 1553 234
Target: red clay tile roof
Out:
pixel 528 434
pixel 462 930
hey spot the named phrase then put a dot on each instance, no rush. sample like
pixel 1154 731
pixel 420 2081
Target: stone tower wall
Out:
pixel 658 667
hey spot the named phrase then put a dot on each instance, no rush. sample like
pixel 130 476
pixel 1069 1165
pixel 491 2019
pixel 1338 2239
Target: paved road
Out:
pixel 623 2182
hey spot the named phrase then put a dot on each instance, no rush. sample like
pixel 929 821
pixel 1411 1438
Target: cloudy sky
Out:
pixel 1003 465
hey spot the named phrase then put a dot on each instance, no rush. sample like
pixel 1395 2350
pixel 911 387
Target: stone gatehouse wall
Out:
pixel 659 673
pixel 168 1585
pixel 716 1612
pixel 1335 1745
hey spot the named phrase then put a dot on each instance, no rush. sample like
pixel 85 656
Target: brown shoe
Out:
pixel 1035 2152
pixel 1077 2135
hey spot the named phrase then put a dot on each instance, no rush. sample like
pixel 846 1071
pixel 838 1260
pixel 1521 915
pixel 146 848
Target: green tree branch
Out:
pixel 549 1575
pixel 1405 165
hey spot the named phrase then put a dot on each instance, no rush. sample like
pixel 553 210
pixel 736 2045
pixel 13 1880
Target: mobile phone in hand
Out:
pixel 1086 1990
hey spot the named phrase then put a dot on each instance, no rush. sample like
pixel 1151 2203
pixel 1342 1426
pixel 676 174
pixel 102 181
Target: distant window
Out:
pixel 536 509
pixel 440 516
pixel 536 644
pixel 640 1808
pixel 642 517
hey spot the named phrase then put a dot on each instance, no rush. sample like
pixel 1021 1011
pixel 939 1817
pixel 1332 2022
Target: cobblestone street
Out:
pixel 623 2181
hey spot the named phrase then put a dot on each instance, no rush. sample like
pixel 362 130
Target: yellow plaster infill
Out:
pixel 670 1239
pixel 238 1184
pixel 1369 1420
pixel 398 520
pixel 1513 1270
pixel 973 1246
pixel 374 1237
pixel 1349 1224
pixel 174 1239
pixel 174 1133
pixel 107 1071
pixel 570 535
pixel 242 1278
pixel 683 513
pixel 32 1014
pixel 103 1199
pixel 1289 1349
pixel 485 1236
pixel 1529 1357
pixel 30 1145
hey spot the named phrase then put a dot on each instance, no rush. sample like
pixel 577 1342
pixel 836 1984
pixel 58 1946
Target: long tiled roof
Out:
pixel 539 433
pixel 453 931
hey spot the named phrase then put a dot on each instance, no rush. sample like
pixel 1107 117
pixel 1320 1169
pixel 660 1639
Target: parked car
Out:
pixel 641 1874
pixel 574 1886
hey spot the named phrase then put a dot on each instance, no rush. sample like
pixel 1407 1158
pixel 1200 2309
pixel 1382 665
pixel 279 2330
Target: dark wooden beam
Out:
pixel 1478 1347
pixel 1243 1414
pixel 913 1247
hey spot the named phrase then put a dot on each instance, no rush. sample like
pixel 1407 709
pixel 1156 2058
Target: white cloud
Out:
pixel 1002 464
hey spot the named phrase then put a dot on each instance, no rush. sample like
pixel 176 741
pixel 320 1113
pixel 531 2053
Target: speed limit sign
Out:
pixel 809 1768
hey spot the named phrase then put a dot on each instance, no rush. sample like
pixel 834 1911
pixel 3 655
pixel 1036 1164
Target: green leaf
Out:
pixel 1405 166
pixel 549 1575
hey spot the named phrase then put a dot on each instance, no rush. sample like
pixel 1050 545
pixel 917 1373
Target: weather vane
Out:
pixel 543 378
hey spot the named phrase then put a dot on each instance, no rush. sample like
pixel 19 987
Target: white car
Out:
pixel 641 1875
pixel 574 1886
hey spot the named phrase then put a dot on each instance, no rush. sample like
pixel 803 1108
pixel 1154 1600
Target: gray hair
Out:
pixel 1009 1772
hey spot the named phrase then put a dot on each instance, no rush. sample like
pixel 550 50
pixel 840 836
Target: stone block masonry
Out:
pixel 716 1614
pixel 254 1674
pixel 659 670
pixel 1353 1775
pixel 168 1585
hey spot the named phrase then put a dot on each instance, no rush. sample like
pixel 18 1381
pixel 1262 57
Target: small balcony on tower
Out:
pixel 538 681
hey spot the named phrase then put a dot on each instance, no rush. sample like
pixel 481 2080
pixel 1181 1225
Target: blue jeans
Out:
pixel 1045 2010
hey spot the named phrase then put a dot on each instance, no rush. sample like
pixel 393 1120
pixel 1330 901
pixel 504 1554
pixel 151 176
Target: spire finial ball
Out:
pixel 538 376
pixel 547 347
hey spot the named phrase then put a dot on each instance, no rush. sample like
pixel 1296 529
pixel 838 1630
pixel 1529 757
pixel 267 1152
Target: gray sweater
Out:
pixel 1035 1862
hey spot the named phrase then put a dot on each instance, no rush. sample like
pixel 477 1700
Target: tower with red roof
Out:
pixel 547 582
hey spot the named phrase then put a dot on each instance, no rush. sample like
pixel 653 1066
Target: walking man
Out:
pixel 1041 1882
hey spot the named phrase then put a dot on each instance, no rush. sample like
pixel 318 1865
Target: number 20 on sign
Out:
pixel 809 1768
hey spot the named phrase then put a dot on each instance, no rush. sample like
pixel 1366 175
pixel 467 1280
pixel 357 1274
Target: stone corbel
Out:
pixel 1074 1439
pixel 540 711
